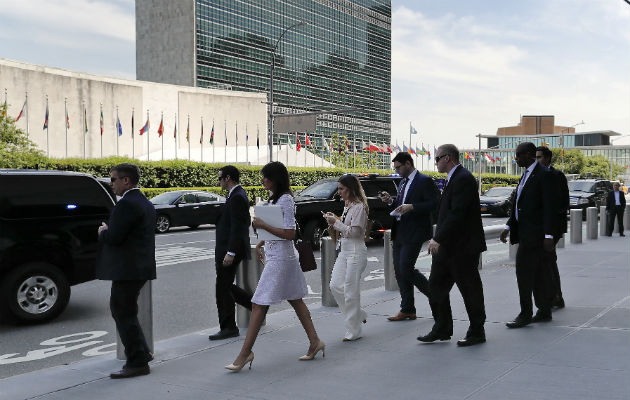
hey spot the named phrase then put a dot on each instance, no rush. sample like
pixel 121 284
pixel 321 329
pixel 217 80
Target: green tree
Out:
pixel 598 166
pixel 573 160
pixel 16 150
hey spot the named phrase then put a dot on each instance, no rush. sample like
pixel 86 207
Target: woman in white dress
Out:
pixel 282 277
pixel 345 283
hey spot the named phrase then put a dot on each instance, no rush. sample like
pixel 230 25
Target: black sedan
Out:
pixel 186 208
pixel 497 201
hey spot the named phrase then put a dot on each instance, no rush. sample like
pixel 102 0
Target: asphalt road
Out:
pixel 183 302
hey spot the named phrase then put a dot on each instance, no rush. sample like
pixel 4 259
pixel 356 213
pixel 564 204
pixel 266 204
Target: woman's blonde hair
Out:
pixel 356 190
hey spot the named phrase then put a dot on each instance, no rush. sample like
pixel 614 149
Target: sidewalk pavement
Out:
pixel 584 353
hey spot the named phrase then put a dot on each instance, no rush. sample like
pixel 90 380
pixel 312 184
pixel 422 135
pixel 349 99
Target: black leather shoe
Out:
pixel 519 322
pixel 558 302
pixel 541 317
pixel 224 334
pixel 471 340
pixel 621 235
pixel 130 372
pixel 433 336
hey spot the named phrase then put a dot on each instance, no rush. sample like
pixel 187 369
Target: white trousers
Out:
pixel 345 284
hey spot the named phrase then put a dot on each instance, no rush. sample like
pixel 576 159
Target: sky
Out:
pixel 459 67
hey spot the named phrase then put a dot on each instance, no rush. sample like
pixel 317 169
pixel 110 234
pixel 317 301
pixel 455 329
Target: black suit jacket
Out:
pixel 535 211
pixel 232 231
pixel 459 226
pixel 127 247
pixel 610 200
pixel 560 201
pixel 415 226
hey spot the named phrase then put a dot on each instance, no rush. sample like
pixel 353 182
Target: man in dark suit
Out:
pixel 560 201
pixel 232 246
pixel 456 245
pixel 615 206
pixel 127 258
pixel 531 226
pixel 417 198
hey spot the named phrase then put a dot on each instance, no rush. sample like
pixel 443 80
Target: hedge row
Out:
pixel 187 174
pixel 252 191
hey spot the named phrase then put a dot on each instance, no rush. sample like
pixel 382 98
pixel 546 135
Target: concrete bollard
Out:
pixel 626 216
pixel 576 226
pixel 591 223
pixel 328 257
pixel 513 250
pixel 247 275
pixel 602 221
pixel 391 283
pixel 145 317
pixel 560 244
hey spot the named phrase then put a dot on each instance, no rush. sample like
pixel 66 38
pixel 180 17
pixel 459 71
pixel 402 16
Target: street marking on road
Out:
pixel 372 259
pixel 181 254
pixel 375 275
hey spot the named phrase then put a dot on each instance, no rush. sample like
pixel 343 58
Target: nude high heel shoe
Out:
pixel 236 368
pixel 320 346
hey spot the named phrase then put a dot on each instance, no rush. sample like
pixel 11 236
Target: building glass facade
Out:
pixel 341 58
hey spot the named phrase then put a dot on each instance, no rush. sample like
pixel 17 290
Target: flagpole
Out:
pixel 27 130
pixel 225 136
pixel 133 137
pixel 246 144
pixel 65 106
pixel 162 135
pixel 257 144
pixel 201 138
pixel 47 130
pixel 83 128
pixel 175 136
pixel 236 143
pixel 212 133
pixel 188 136
pixel 101 107
pixel 117 133
pixel 148 137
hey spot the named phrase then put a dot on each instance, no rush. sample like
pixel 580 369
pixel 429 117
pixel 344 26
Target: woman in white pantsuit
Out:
pixel 345 283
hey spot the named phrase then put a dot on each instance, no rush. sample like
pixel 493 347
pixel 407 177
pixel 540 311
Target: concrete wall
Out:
pixel 157 45
pixel 226 108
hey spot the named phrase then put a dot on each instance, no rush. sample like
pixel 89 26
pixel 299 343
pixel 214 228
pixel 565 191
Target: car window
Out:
pixel 204 197
pixel 373 187
pixel 189 198
pixel 499 192
pixel 581 186
pixel 165 198
pixel 37 196
pixel 320 189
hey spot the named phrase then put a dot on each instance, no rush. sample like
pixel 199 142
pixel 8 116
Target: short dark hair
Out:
pixel 527 147
pixel 231 171
pixel 277 173
pixel 403 157
pixel 545 151
pixel 128 170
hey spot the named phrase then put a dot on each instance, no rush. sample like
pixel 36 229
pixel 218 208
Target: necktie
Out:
pixel 520 185
pixel 401 192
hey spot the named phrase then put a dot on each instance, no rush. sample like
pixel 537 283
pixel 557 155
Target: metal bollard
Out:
pixel 247 275
pixel 145 317
pixel 602 221
pixel 626 216
pixel 328 256
pixel 560 244
pixel 576 226
pixel 388 262
pixel 513 250
pixel 591 223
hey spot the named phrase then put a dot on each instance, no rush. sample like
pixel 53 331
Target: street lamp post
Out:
pixel 273 65
pixel 562 140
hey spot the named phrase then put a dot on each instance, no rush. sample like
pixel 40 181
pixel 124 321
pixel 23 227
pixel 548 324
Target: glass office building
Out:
pixel 340 59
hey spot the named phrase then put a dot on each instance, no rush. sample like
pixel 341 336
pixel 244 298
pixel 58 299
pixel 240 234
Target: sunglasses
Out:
pixel 114 179
pixel 438 158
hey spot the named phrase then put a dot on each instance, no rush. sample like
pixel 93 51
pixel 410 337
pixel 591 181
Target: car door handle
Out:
pixel 196 207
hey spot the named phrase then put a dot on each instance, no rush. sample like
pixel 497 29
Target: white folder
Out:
pixel 272 215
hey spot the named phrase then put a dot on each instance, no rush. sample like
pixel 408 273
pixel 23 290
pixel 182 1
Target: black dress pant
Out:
pixel 227 293
pixel 123 304
pixel 610 223
pixel 550 258
pixel 407 275
pixel 450 268
pixel 533 277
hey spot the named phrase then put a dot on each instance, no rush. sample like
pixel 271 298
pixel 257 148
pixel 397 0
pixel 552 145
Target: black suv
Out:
pixel 48 238
pixel 322 196
pixel 584 193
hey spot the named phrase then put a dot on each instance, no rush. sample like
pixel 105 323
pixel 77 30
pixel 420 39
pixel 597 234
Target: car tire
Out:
pixel 313 232
pixel 34 292
pixel 162 224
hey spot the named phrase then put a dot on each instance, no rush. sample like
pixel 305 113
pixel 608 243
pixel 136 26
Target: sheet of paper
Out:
pixel 272 215
pixel 395 214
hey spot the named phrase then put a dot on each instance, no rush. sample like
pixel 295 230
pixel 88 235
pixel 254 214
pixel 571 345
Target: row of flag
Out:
pixel 487 157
